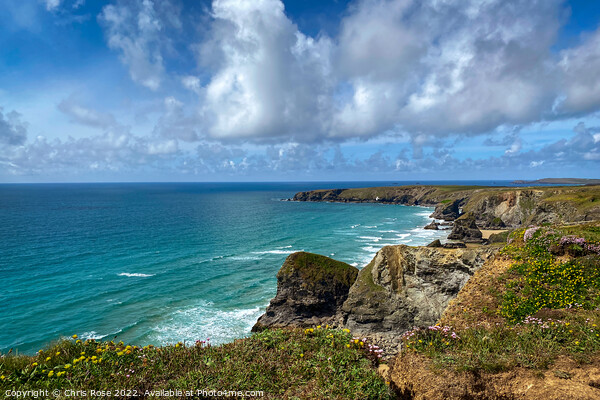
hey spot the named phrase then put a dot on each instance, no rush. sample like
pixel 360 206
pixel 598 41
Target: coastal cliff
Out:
pixel 310 290
pixel 516 321
pixel 493 207
pixel 401 287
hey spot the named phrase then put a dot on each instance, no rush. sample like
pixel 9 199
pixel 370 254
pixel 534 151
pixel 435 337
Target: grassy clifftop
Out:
pixel 317 363
pixel 514 206
pixel 529 320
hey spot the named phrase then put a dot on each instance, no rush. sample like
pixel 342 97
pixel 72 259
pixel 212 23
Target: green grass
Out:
pixel 318 268
pixel 539 278
pixel 535 343
pixel 316 363
pixel 583 198
pixel 549 300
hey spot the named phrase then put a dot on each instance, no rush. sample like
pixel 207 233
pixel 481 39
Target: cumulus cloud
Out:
pixel 138 30
pixel 458 67
pixel 270 80
pixel 425 67
pixel 13 131
pixel 84 115
pixel 581 81
pixel 174 123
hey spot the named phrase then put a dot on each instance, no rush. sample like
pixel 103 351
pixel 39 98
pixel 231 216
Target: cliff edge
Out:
pixel 310 290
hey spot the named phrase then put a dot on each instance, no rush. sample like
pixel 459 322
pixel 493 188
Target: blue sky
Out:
pixel 232 90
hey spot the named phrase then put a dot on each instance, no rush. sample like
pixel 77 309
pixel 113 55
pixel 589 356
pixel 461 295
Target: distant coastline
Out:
pixel 560 181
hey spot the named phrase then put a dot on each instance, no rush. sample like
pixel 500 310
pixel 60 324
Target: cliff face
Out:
pixel 536 206
pixel 402 286
pixel 310 290
pixel 407 195
pixel 493 207
pixel 406 286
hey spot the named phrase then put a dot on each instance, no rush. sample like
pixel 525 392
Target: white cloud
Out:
pixel 271 79
pixel 13 131
pixel 138 30
pixel 52 5
pixel 84 115
pixel 581 80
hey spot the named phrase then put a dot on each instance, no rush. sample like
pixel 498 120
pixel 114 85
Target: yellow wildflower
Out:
pixel 74 336
pixel 50 374
pixel 348 345
pixel 67 366
pixel 58 353
pixel 34 364
pixel 301 354
pixel 48 358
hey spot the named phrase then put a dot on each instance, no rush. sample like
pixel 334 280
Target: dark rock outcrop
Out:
pixel 465 229
pixel 433 226
pixel 310 290
pixel 406 286
pixel 492 206
pixel 435 243
pixel 448 211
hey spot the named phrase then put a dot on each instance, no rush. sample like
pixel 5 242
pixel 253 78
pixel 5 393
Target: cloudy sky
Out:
pixel 259 90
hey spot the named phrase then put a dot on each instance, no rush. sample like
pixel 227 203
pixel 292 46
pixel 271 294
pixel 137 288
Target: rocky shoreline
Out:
pixel 405 287
pixel 492 207
pixel 400 288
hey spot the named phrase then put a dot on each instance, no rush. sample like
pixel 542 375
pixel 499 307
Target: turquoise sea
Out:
pixel 161 263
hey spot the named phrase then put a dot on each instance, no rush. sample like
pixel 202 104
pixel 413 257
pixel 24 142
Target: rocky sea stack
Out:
pixel 465 229
pixel 310 290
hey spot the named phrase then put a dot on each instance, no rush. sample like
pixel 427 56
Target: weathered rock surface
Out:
pixel 465 229
pixel 448 211
pixel 310 290
pixel 433 226
pixel 406 286
pixel 494 207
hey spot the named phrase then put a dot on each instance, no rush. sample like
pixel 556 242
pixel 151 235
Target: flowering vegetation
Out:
pixel 542 278
pixel 285 364
pixel 548 301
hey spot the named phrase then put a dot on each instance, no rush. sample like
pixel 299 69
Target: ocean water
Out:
pixel 161 263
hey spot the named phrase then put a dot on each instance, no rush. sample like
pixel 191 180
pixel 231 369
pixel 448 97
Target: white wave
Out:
pixel 278 251
pixel 372 238
pixel 244 258
pixel 205 321
pixel 355 226
pixel 370 249
pixel 92 335
pixel 370 227
pixel 403 235
pixel 137 275
pixel 389 231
